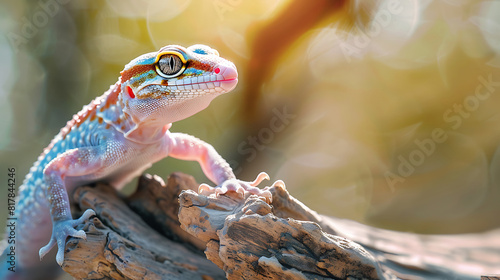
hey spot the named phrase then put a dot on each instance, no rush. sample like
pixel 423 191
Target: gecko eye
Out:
pixel 170 64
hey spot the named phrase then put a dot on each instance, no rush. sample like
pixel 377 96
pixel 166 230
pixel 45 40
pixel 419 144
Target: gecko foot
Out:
pixel 241 187
pixel 60 231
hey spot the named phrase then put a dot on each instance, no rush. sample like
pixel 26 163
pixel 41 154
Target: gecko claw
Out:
pixel 242 188
pixel 80 234
pixel 278 183
pixel 85 216
pixel 45 249
pixel 61 230
pixel 261 177
pixel 205 189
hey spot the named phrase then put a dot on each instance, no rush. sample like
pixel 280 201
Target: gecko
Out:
pixel 116 137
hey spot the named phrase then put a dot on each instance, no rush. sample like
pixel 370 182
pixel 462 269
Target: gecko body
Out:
pixel 116 137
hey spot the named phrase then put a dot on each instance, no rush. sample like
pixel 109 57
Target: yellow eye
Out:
pixel 170 64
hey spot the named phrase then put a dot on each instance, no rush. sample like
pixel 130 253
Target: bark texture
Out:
pixel 162 230
pixel 136 237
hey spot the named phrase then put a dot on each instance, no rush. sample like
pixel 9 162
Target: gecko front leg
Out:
pixel 76 162
pixel 187 147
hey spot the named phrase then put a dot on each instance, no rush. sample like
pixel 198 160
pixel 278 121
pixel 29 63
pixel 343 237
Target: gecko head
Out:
pixel 175 83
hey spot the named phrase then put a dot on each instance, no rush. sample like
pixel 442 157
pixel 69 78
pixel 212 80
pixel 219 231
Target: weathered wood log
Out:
pixel 249 241
pixel 244 233
pixel 141 237
pixel 121 245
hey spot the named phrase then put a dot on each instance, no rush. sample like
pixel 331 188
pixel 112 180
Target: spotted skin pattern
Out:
pixel 116 137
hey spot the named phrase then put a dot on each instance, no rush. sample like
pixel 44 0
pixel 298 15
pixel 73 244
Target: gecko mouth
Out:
pixel 188 89
pixel 223 78
pixel 218 86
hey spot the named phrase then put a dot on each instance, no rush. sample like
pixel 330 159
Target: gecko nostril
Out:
pixel 217 70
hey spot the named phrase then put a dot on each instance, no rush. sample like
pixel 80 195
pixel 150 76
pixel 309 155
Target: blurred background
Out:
pixel 386 113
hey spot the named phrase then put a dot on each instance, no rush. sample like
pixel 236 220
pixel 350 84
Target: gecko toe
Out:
pixel 78 234
pixel 61 230
pixel 45 249
pixel 86 215
pixel 60 256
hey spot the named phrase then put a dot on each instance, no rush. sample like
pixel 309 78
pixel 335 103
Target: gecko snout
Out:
pixel 227 75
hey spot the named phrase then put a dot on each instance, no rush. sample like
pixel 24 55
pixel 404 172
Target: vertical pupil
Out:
pixel 171 62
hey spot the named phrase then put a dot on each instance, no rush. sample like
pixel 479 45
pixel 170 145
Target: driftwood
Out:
pixel 141 237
